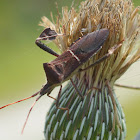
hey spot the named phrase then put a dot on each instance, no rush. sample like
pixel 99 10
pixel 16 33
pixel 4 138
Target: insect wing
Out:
pixel 88 45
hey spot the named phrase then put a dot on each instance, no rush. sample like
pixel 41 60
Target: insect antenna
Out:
pixel 20 100
pixel 29 113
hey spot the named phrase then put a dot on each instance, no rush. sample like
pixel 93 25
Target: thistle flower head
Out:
pixel 100 112
pixel 123 22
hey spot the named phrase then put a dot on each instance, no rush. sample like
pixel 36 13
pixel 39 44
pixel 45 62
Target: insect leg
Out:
pixel 125 86
pixel 58 97
pixel 114 106
pixel 57 101
pixel 45 48
pixel 110 52
pixel 51 96
pixel 92 89
pixel 78 91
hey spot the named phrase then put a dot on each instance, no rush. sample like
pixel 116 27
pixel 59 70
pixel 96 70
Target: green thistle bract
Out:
pixel 99 115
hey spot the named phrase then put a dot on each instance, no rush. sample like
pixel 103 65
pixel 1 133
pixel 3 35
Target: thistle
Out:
pixel 99 115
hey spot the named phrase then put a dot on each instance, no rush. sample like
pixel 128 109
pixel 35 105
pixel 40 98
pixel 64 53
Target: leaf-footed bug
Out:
pixel 69 62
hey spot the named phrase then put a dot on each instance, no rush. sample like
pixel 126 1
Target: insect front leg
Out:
pixel 58 97
pixel 45 48
pixel 57 100
pixel 48 94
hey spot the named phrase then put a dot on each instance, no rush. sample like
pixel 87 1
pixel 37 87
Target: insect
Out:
pixel 68 63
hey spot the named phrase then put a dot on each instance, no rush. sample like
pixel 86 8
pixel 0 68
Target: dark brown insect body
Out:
pixel 67 64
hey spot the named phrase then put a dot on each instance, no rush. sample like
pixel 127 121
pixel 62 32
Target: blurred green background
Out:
pixel 21 71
